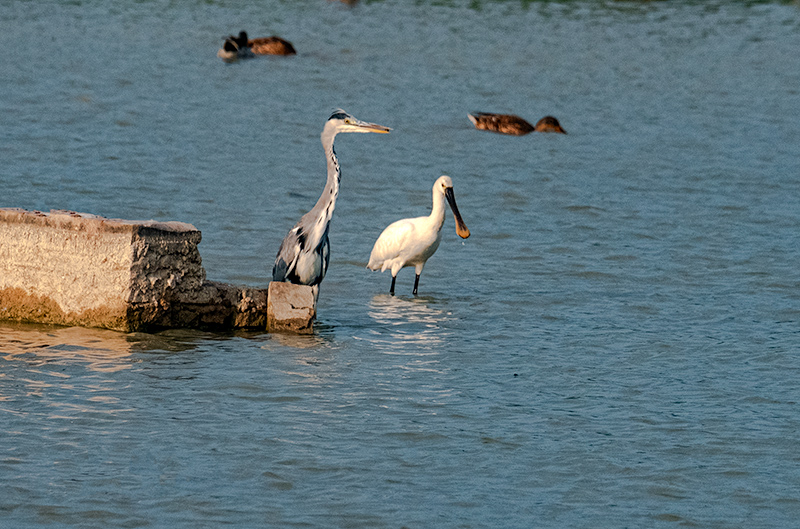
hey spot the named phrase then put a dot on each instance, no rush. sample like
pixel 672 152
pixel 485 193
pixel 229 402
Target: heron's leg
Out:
pixel 391 289
pixel 416 284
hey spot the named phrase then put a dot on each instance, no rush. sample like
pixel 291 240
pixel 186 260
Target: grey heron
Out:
pixel 305 251
pixel 411 242
pixel 514 125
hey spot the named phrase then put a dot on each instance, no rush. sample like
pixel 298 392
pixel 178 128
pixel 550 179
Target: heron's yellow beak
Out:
pixel 374 127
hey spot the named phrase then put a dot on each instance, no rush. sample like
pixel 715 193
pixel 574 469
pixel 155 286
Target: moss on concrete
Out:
pixel 18 305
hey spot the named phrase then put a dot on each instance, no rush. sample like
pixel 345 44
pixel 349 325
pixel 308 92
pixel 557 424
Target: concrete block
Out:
pixel 72 268
pixel 290 308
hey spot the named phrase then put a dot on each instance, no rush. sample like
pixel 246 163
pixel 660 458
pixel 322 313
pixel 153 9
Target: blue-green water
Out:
pixel 616 345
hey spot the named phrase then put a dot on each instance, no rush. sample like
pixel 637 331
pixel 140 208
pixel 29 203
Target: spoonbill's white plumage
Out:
pixel 305 251
pixel 411 242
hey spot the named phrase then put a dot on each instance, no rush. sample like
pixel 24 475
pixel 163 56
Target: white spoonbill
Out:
pixel 305 251
pixel 411 242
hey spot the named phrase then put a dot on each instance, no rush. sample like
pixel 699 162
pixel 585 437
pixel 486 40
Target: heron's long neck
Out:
pixel 334 176
pixel 323 210
pixel 437 211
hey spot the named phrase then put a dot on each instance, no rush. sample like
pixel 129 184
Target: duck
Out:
pixel 512 124
pixel 235 48
pixel 271 46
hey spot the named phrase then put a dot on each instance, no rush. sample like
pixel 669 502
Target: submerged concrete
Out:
pixel 290 308
pixel 72 268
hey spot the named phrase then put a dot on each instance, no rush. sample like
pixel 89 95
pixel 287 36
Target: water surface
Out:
pixel 616 345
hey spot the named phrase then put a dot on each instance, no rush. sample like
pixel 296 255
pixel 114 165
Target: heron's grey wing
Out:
pixel 286 259
pixel 326 254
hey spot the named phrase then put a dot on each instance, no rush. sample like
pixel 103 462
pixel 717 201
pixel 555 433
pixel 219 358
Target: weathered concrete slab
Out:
pixel 73 268
pixel 290 308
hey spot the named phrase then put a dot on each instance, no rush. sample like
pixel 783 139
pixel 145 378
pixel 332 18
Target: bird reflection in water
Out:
pixel 405 322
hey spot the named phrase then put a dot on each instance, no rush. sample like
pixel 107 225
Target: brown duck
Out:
pixel 271 46
pixel 242 47
pixel 514 125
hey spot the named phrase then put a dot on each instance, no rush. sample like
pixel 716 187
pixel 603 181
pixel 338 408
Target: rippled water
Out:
pixel 616 345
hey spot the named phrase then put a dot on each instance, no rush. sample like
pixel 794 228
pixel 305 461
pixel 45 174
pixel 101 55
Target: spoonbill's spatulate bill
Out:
pixel 305 251
pixel 411 242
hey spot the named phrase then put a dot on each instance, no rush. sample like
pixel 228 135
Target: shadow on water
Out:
pixel 300 341
pixel 100 349
pixel 38 345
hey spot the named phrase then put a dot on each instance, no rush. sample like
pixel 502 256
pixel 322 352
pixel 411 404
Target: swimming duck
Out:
pixel 514 125
pixel 271 46
pixel 235 48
